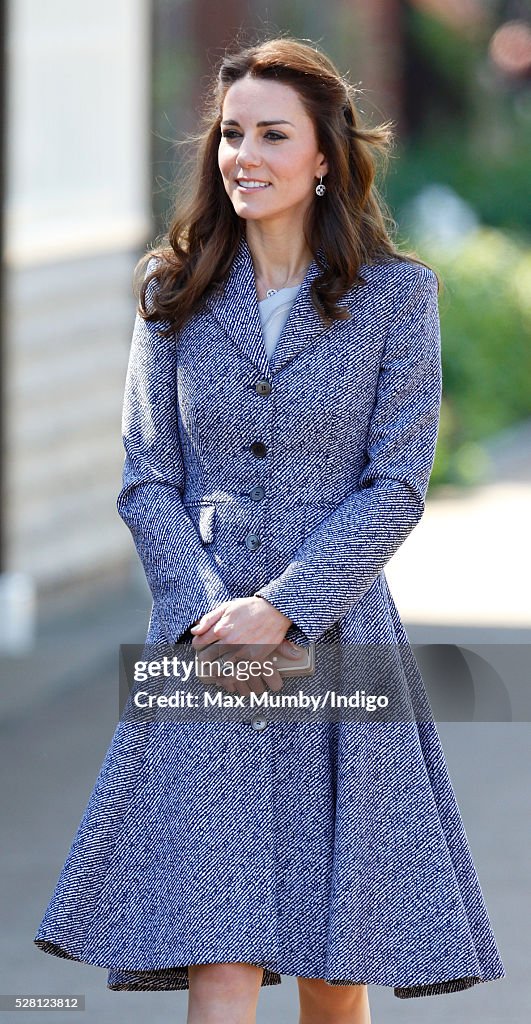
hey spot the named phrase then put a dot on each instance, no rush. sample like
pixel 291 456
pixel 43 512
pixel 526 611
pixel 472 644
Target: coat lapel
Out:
pixel 235 307
pixel 302 327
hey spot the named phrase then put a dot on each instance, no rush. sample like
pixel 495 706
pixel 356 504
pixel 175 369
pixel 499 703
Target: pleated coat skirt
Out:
pixel 316 846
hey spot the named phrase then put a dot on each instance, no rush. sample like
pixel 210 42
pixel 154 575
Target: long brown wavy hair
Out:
pixel 351 225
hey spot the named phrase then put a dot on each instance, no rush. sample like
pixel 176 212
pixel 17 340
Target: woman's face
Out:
pixel 268 169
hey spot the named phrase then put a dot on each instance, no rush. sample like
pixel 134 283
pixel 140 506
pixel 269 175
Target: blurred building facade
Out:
pixel 96 97
pixel 76 216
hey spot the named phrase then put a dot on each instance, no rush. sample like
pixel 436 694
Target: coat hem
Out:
pixel 176 978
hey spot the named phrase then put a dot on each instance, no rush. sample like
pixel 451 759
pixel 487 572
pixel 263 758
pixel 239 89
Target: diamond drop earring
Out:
pixel 320 189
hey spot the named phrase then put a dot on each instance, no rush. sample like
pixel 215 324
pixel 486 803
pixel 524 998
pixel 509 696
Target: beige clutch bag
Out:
pixel 304 666
pixel 286 666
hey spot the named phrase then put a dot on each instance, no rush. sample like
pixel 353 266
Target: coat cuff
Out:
pixel 178 608
pixel 302 629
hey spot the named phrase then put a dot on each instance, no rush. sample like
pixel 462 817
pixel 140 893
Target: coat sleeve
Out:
pixel 342 557
pixel 182 576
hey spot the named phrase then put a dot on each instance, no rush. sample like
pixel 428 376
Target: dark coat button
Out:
pixel 263 386
pixel 259 449
pixel 252 541
pixel 259 724
pixel 257 493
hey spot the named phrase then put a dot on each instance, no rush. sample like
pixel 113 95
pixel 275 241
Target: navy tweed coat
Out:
pixel 327 849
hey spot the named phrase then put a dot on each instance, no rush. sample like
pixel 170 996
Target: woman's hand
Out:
pixel 246 629
pixel 244 620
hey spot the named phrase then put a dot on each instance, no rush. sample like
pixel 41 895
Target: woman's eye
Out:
pixel 230 133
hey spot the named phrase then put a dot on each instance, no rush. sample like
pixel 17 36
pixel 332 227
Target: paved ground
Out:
pixel 59 709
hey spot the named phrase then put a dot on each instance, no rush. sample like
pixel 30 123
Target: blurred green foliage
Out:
pixel 485 308
pixel 469 131
pixel 467 127
pixel 495 183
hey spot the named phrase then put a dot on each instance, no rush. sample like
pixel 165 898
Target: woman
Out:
pixel 280 422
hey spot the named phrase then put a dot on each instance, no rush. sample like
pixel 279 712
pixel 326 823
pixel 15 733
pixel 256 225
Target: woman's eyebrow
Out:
pixel 260 124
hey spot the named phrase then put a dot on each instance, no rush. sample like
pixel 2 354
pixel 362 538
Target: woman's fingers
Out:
pixel 288 647
pixel 250 619
pixel 215 633
pixel 218 676
pixel 245 675
pixel 207 620
pixel 275 681
pixel 252 670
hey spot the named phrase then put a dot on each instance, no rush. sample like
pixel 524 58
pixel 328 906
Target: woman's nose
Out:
pixel 247 155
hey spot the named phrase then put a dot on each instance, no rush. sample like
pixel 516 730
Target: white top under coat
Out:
pixel 274 312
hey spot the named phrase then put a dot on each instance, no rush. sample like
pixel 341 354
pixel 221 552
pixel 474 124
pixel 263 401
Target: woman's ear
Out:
pixel 323 167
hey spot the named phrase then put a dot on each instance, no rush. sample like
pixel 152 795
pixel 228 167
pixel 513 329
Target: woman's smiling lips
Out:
pixel 251 184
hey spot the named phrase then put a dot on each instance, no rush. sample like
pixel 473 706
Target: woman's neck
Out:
pixel 279 260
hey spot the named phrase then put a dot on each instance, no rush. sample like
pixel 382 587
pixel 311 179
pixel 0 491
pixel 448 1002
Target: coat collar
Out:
pixel 235 307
